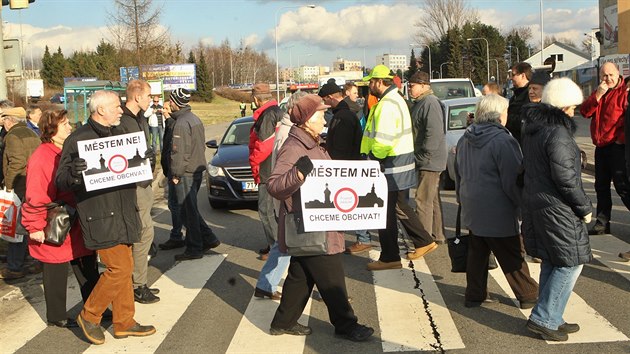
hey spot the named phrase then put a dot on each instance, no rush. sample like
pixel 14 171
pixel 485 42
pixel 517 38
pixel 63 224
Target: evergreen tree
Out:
pixel 47 67
pixel 204 85
pixel 413 66
pixel 191 58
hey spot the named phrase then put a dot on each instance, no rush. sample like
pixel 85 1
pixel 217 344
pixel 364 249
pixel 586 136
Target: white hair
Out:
pixel 489 109
pixel 99 98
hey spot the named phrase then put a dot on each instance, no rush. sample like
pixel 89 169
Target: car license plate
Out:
pixel 250 187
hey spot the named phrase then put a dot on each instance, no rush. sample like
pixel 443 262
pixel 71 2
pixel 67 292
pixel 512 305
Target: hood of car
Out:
pixel 231 156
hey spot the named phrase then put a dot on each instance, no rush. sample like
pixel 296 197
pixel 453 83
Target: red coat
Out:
pixel 261 138
pixel 607 115
pixel 40 189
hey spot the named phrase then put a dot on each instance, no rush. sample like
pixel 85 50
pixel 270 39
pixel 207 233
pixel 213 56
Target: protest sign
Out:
pixel 344 195
pixel 114 161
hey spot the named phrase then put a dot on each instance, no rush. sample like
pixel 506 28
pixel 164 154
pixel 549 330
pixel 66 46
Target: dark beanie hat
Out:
pixel 540 77
pixel 329 88
pixel 306 107
pixel 180 97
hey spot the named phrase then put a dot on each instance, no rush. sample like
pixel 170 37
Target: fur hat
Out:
pixel 562 92
pixel 180 97
pixel 306 107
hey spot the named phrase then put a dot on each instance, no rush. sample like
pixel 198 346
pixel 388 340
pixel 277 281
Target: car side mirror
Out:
pixel 212 144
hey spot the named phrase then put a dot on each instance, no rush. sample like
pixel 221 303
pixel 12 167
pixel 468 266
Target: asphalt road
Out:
pixel 207 305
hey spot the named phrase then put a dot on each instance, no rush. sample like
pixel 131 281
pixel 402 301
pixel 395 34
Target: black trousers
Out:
pixel 56 284
pixel 388 237
pixel 509 252
pixel 610 165
pixel 327 273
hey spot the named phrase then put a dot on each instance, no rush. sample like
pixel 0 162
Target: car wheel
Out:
pixel 447 183
pixel 217 204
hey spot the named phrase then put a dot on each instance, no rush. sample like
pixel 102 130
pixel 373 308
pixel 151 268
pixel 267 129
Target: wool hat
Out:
pixel 562 92
pixel 306 107
pixel 261 88
pixel 420 77
pixel 379 72
pixel 17 112
pixel 540 77
pixel 329 88
pixel 180 97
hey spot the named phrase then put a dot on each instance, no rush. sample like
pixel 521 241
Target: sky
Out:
pixel 352 30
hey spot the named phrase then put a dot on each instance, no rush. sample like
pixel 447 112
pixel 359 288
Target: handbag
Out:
pixel 300 243
pixel 59 219
pixel 9 210
pixel 458 246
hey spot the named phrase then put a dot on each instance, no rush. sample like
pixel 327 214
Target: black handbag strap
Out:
pixel 46 206
pixel 458 222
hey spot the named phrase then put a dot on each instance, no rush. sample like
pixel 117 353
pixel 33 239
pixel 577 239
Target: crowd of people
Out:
pixel 518 182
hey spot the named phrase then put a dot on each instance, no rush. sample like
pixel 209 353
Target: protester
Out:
pixel 491 88
pixel 521 74
pixel 186 166
pixel 33 114
pixel 155 115
pixel 19 144
pixel 40 191
pixel 326 270
pixel 427 120
pixel 487 164
pixel 539 79
pixel 555 207
pixel 625 256
pixel 606 108
pixel 132 121
pixel 266 117
pixel 388 139
pixel 110 224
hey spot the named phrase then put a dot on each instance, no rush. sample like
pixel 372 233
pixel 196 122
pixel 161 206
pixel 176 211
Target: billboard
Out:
pixel 173 76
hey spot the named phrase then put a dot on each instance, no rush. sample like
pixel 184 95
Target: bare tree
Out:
pixel 441 16
pixel 587 45
pixel 552 39
pixel 135 26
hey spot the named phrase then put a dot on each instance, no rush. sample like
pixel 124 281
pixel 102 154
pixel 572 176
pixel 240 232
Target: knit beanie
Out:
pixel 562 92
pixel 540 77
pixel 180 97
pixel 329 88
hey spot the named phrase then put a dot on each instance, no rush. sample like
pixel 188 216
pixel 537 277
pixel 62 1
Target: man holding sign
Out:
pixel 110 225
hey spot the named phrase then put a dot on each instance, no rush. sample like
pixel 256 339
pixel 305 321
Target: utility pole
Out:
pixel 3 72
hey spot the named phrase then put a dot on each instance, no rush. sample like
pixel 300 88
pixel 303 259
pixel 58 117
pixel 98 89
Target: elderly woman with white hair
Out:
pixel 555 207
pixel 487 165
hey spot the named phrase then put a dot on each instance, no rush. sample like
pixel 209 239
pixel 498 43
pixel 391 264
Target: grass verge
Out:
pixel 219 110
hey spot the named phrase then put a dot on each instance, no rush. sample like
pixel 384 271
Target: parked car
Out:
pixel 57 98
pixel 456 113
pixel 447 89
pixel 229 176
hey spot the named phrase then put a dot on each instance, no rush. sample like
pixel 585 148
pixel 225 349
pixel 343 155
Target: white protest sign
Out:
pixel 114 161
pixel 340 195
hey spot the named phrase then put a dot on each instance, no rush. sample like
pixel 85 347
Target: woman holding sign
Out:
pixel 41 190
pixel 325 270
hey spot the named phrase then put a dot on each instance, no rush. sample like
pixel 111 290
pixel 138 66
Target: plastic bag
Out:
pixel 9 209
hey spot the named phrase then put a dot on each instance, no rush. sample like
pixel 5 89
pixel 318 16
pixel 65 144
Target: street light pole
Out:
pixel 276 38
pixel 487 53
pixel 497 77
pixel 448 62
pixel 429 48
pixel 518 58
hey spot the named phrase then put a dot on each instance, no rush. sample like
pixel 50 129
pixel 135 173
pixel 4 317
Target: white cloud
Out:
pixel 207 41
pixel 562 23
pixel 251 41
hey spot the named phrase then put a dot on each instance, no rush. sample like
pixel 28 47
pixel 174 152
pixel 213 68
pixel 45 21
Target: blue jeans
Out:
pixel 156 134
pixel 555 287
pixel 363 236
pixel 271 272
pixel 198 235
pixel 176 218
pixel 16 252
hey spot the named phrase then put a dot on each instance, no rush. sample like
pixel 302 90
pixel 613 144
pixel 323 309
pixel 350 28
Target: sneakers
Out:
pixel 380 265
pixel 546 333
pixel 144 295
pixel 296 330
pixel 422 251
pixel 358 247
pixel 172 244
pixel 599 229
pixel 91 331
pixel 8 274
pixel 488 300
pixel 359 333
pixel 136 330
pixel 260 293
pixel 625 256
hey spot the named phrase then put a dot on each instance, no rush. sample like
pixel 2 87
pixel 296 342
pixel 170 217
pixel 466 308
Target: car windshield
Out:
pixel 457 116
pixel 452 89
pixel 237 134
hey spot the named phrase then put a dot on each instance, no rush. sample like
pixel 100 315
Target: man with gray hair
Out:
pixel 110 225
pixel 19 144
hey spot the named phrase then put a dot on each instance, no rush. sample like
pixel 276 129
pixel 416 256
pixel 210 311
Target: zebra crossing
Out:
pixel 412 313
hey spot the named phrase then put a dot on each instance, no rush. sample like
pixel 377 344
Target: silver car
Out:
pixel 456 113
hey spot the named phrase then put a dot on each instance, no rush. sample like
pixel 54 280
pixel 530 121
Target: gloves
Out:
pixel 150 154
pixel 304 165
pixel 78 165
pixel 587 218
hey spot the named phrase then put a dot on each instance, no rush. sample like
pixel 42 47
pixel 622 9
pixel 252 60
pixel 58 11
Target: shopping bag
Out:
pixel 458 247
pixel 9 209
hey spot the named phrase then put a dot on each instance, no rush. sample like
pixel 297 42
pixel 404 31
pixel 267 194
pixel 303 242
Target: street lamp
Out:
pixel 518 58
pixel 497 77
pixel 277 58
pixel 429 48
pixel 487 53
pixel 441 65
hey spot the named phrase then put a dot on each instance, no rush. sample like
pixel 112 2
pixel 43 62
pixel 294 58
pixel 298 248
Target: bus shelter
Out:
pixel 77 96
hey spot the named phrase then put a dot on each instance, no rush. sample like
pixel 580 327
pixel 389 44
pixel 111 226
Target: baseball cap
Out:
pixel 379 72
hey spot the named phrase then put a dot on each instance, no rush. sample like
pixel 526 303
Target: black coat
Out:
pixel 343 140
pixel 514 120
pixel 109 216
pixel 554 201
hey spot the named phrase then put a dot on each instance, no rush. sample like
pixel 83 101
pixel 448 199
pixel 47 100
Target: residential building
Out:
pixel 566 56
pixel 346 65
pixel 393 61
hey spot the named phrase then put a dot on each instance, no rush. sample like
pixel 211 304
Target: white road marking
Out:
pixel 606 249
pixel 179 286
pixel 403 320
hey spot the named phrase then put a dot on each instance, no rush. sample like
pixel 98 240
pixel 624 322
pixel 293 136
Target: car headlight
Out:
pixel 215 171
